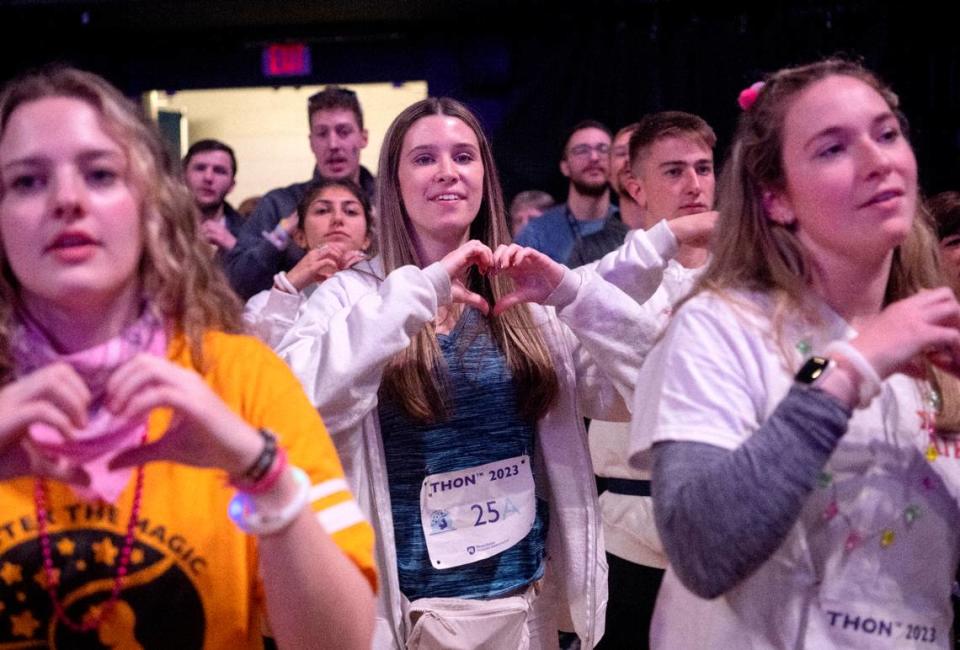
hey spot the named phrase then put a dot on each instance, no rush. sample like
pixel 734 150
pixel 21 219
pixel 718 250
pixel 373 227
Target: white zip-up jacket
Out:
pixel 643 267
pixel 355 322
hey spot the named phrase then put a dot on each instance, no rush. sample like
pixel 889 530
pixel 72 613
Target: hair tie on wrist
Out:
pixel 749 95
pixel 870 382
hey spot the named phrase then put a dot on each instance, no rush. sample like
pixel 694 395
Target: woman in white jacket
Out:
pixel 335 226
pixel 458 411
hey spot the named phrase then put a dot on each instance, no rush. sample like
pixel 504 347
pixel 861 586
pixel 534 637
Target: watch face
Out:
pixel 812 370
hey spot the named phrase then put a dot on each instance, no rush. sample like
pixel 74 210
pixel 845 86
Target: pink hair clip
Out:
pixel 749 95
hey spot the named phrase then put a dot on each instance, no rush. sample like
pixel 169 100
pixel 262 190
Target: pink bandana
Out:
pixel 104 435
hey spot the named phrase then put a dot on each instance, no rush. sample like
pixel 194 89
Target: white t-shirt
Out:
pixel 871 559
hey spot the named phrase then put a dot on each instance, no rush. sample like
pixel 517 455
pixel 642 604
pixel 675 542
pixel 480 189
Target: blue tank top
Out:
pixel 484 426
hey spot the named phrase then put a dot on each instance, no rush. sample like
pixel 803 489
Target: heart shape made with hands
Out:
pixel 535 276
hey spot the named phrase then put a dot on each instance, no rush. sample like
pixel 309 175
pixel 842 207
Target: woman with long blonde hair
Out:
pixel 457 403
pixel 803 492
pixel 135 423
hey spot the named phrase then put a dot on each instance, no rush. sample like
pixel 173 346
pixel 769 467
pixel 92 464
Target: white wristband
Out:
pixel 243 509
pixel 869 379
pixel 282 283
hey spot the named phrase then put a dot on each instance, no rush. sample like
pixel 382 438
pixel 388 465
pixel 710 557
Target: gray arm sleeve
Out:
pixel 721 513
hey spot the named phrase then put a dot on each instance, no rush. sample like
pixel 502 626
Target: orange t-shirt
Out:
pixel 192 580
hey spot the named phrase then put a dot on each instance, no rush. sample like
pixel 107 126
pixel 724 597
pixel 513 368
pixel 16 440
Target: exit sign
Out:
pixel 287 60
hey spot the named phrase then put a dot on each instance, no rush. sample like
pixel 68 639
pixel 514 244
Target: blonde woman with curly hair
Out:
pixel 135 420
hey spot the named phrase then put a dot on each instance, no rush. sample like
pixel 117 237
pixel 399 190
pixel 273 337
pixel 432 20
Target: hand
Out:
pixel 695 230
pixel 534 275
pixel 216 233
pixel 923 325
pixel 290 222
pixel 204 432
pixel 320 263
pixel 457 262
pixel 55 396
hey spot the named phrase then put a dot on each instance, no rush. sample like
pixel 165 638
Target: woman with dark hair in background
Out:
pixel 335 227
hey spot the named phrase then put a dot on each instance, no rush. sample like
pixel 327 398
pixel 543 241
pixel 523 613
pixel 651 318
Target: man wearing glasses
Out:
pixel 265 245
pixel 559 232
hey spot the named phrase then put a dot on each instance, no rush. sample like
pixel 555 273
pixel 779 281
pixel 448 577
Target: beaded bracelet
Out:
pixel 244 512
pixel 268 480
pixel 264 461
pixel 869 379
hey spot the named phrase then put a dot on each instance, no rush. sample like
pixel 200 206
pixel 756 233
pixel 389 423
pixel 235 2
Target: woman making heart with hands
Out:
pixel 135 422
pixel 454 371
pixel 795 407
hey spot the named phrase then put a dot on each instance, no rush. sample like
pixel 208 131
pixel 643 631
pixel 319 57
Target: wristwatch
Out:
pixel 814 370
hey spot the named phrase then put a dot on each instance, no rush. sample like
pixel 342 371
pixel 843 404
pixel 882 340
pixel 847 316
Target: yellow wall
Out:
pixel 267 127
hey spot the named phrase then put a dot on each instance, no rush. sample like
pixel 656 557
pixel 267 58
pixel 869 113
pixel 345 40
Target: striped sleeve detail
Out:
pixel 328 488
pixel 342 519
pixel 334 505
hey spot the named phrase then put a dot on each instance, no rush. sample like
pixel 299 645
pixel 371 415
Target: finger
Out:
pixel 46 413
pixel 149 398
pixel 944 312
pixel 946 356
pixel 324 270
pixel 509 300
pixel 336 248
pixel 62 380
pixel 125 381
pixel 498 256
pixel 352 258
pixel 136 375
pixel 505 260
pixel 138 455
pixel 523 256
pixel 43 463
pixel 478 255
pixel 70 400
pixel 460 294
pixel 939 294
pixel 484 259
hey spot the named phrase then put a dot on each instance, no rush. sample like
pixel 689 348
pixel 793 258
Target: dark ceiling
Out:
pixel 530 68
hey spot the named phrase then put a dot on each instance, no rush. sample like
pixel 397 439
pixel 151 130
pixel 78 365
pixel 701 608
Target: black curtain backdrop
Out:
pixel 530 69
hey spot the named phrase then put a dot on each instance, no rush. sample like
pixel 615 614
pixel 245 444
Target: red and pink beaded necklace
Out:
pixel 51 579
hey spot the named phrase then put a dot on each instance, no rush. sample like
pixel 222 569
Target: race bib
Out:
pixel 472 514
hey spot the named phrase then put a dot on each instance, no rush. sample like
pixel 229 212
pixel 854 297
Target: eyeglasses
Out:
pixel 583 150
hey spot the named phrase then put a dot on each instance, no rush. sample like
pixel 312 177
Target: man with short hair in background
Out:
pixel 265 246
pixel 210 172
pixel 558 232
pixel 672 183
